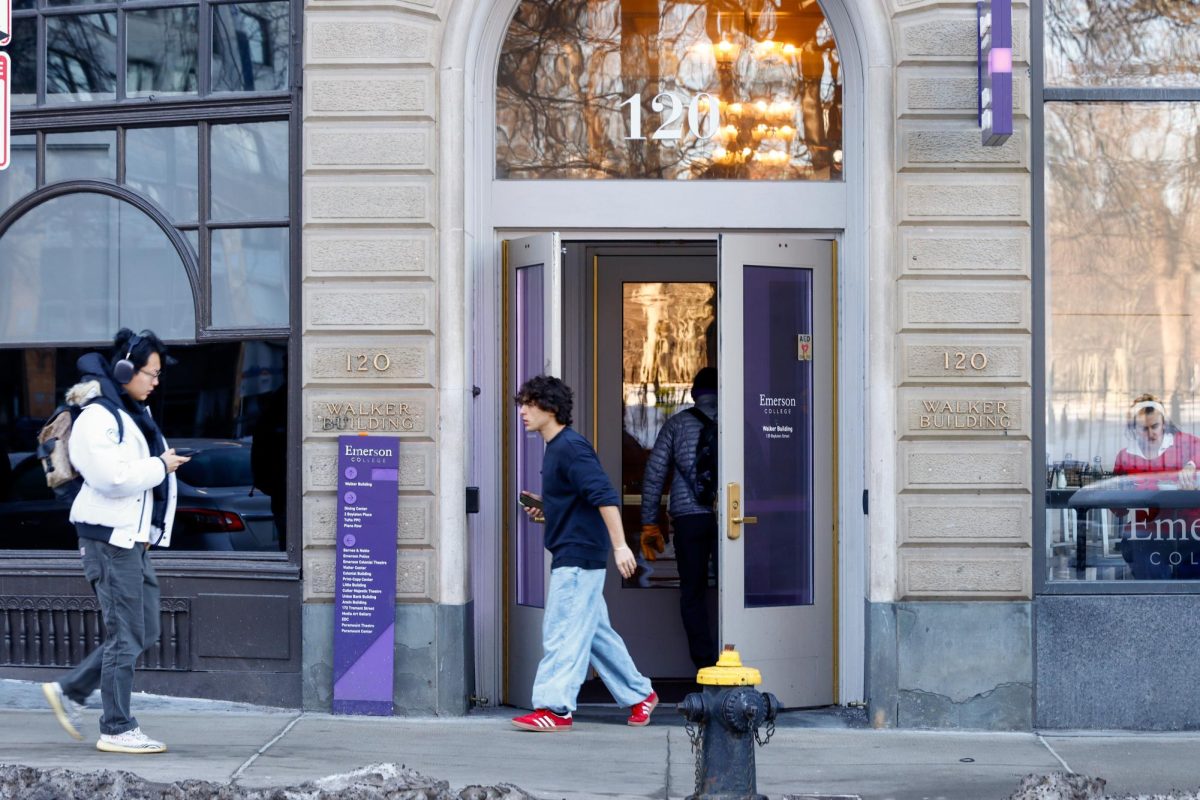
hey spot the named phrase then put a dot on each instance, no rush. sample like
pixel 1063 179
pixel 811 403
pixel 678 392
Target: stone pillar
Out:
pixel 952 649
pixel 370 325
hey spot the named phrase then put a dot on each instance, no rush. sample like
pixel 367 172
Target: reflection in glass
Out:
pixel 22 52
pixel 752 91
pixel 68 266
pixel 250 171
pixel 1122 43
pixel 530 450
pixel 161 163
pixel 1123 278
pixel 81 57
pixel 21 176
pixel 250 278
pixel 87 154
pixel 669 333
pixel 250 47
pixel 226 400
pixel 161 51
pixel 777 437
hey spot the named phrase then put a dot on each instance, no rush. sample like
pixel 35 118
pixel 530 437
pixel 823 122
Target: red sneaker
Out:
pixel 640 713
pixel 543 721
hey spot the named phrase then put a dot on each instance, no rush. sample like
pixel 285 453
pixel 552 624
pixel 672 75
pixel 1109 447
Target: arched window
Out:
pixel 669 89
pixel 79 265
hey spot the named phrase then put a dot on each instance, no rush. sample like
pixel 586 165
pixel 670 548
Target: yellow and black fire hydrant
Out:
pixel 724 722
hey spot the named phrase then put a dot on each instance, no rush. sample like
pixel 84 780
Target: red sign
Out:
pixel 5 22
pixel 4 74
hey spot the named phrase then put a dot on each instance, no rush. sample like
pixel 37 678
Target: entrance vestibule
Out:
pixel 627 325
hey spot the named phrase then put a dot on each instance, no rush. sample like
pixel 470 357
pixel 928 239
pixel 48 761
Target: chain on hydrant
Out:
pixel 729 717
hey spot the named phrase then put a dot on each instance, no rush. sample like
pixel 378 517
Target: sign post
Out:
pixel 995 71
pixel 364 617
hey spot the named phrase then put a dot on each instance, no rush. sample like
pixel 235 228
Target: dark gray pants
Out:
pixel 127 588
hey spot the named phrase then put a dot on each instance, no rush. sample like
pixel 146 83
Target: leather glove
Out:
pixel 652 542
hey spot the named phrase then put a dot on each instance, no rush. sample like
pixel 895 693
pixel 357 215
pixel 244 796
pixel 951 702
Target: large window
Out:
pixel 1121 224
pixel 671 89
pixel 90 52
pixel 227 401
pixel 170 208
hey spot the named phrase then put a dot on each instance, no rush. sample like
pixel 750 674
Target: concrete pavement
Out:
pixel 809 754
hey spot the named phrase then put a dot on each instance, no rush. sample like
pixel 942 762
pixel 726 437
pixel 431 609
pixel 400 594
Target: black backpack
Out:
pixel 53 449
pixel 704 485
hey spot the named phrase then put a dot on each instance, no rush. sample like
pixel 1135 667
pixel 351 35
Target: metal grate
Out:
pixel 61 631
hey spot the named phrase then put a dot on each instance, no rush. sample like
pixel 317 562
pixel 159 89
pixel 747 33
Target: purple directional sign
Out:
pixel 364 616
pixel 995 71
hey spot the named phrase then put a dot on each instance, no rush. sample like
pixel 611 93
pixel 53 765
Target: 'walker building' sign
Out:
pixel 995 71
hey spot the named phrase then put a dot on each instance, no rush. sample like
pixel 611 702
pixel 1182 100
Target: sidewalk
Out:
pixel 262 747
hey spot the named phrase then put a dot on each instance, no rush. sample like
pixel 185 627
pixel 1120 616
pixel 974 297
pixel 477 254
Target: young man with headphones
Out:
pixel 126 504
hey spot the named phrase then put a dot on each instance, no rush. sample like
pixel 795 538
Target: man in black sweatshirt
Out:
pixel 580 509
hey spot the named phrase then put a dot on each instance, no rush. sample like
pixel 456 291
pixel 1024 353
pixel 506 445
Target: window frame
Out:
pixel 1040 95
pixel 204 47
pixel 200 109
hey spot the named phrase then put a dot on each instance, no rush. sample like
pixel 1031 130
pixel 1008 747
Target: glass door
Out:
pixel 533 280
pixel 777 461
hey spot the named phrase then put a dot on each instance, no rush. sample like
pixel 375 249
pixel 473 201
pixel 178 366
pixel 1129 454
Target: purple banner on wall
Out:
pixel 364 611
pixel 995 70
pixel 778 352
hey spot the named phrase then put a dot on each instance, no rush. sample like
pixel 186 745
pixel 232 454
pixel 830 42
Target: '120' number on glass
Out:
pixel 703 115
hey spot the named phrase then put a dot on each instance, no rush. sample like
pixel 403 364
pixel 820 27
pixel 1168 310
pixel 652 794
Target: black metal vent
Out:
pixel 61 631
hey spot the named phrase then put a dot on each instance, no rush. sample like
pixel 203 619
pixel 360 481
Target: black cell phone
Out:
pixel 529 502
pixel 186 452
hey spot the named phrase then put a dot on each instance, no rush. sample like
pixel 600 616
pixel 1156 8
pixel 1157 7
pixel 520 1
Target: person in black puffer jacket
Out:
pixel 694 523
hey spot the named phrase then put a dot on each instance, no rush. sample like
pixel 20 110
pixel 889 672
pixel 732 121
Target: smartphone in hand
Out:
pixel 529 501
pixel 186 452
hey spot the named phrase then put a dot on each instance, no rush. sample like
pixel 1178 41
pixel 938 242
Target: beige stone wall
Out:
pixel 370 306
pixel 963 317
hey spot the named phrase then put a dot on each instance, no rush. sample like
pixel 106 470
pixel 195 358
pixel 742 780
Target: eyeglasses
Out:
pixel 156 374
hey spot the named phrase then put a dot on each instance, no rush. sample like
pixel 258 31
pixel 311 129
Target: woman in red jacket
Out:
pixel 1161 457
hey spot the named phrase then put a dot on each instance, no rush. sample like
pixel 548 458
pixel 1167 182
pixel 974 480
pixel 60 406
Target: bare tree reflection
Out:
pixel 1122 42
pixel 81 55
pixel 1123 257
pixel 567 67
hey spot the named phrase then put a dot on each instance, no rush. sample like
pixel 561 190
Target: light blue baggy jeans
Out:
pixel 576 630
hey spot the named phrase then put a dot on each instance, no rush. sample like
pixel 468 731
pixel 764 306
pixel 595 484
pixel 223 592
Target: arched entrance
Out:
pixel 641 210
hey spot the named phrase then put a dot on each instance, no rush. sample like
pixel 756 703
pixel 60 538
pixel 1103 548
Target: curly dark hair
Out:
pixel 549 394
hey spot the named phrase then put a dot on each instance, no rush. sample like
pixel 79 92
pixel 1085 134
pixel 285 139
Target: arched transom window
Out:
pixel 670 89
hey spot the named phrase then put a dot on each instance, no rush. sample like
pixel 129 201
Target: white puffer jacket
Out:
pixel 118 476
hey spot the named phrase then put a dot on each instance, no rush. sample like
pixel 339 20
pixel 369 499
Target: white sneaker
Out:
pixel 133 741
pixel 68 712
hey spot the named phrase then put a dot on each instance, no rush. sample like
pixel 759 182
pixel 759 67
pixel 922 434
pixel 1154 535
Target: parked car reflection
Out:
pixel 218 506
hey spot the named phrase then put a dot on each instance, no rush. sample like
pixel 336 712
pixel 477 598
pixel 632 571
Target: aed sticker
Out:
pixel 803 347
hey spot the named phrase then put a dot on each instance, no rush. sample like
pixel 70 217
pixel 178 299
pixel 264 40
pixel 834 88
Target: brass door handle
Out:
pixel 733 511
